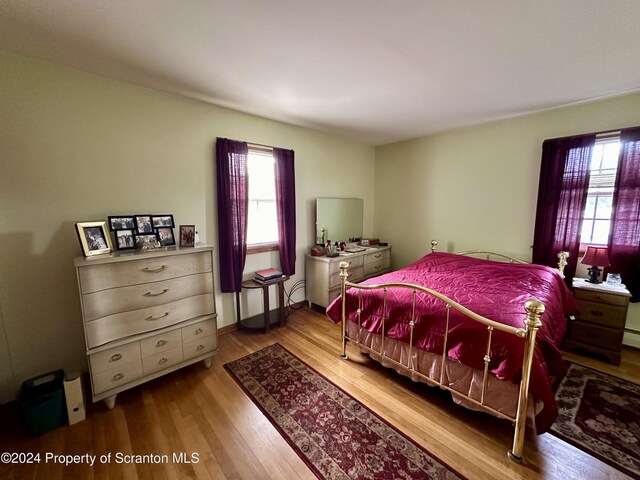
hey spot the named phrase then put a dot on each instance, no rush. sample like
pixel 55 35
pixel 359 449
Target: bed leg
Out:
pixel 534 309
pixel 344 274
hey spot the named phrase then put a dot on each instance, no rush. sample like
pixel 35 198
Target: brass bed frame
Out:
pixel 533 308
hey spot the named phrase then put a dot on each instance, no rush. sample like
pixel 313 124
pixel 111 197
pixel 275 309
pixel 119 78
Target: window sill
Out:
pixel 261 248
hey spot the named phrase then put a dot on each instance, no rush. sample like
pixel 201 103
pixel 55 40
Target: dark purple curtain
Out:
pixel 624 243
pixel 562 194
pixel 286 206
pixel 233 205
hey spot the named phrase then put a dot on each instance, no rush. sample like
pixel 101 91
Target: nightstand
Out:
pixel 599 327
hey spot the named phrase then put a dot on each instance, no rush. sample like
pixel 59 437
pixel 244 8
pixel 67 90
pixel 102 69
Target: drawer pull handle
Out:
pixel 154 270
pixel 597 313
pixel 152 318
pixel 151 294
pixel 115 357
pixel 200 347
pixel 117 376
pixel 162 361
pixel 377 256
pixel 198 331
pixel 161 343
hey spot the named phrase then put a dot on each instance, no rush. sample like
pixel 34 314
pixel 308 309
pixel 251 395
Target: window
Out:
pixel 262 220
pixel 596 220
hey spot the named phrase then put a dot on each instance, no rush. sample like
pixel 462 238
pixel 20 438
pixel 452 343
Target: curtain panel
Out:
pixel 624 238
pixel 233 206
pixel 286 208
pixel 562 193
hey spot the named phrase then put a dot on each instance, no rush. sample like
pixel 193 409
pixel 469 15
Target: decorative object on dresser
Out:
pixel 145 231
pixel 596 257
pixel 94 238
pixel 187 235
pixel 323 273
pixel 599 327
pixel 146 313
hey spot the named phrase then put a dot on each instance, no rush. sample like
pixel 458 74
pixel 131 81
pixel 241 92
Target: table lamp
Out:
pixel 596 257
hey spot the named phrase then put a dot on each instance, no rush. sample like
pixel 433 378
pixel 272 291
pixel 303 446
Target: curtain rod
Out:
pixel 602 133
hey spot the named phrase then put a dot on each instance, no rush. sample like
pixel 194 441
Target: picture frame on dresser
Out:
pixel 147 240
pixel 143 223
pixel 94 238
pixel 165 236
pixel 187 235
pixel 125 239
pixel 121 222
pixel 160 221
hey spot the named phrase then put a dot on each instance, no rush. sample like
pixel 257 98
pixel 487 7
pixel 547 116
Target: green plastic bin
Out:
pixel 41 402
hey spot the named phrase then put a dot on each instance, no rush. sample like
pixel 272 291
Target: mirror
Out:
pixel 341 219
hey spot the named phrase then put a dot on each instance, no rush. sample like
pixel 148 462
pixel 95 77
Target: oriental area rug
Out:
pixel 599 414
pixel 335 435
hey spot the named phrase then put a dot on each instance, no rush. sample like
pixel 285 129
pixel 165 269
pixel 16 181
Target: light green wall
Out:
pixel 477 187
pixel 79 147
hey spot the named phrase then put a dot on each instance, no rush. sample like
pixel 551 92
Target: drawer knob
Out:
pixel 200 347
pixel 151 294
pixel 162 361
pixel 597 313
pixel 198 331
pixel 117 376
pixel 115 357
pixel 161 343
pixel 152 318
pixel 154 270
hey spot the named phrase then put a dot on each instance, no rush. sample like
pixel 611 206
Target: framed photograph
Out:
pixel 94 238
pixel 165 236
pixel 149 240
pixel 159 221
pixel 143 224
pixel 125 239
pixel 121 222
pixel 187 235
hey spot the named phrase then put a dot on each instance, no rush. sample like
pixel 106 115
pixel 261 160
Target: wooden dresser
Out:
pixel 145 314
pixel 323 274
pixel 599 327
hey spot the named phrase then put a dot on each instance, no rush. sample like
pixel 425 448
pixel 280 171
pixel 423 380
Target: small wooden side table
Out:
pixel 599 327
pixel 268 317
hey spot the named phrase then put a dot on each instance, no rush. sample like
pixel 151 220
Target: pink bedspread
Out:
pixel 495 290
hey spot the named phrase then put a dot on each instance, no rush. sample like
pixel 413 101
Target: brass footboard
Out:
pixel 532 323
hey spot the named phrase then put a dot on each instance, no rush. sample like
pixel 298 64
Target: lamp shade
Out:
pixel 597 256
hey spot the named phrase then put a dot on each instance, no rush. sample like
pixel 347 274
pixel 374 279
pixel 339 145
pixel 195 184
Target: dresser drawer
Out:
pixel 357 261
pixel 355 274
pixel 113 327
pixel 110 275
pixel 596 335
pixel 114 357
pixel 200 346
pixel 602 314
pixel 377 267
pixel 377 257
pixel 162 360
pixel 115 377
pixel 198 330
pixel 601 297
pixel 116 300
pixel 160 343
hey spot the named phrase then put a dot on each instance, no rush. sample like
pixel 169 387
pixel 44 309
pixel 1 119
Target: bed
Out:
pixel 487 331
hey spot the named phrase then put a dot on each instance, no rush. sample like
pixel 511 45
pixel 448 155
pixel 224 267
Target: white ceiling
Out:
pixel 372 70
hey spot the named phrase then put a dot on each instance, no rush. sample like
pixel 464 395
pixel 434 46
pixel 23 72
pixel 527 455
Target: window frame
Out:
pixel 265 246
pixel 610 137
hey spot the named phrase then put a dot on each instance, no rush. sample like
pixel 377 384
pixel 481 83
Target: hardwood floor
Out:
pixel 202 414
